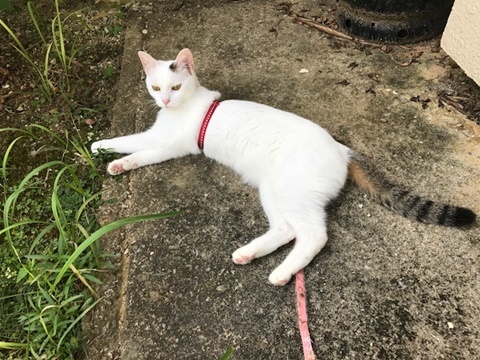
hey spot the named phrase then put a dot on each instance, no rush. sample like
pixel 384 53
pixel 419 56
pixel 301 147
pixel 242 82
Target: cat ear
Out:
pixel 148 61
pixel 185 60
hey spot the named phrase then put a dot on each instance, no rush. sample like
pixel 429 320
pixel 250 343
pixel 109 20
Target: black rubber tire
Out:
pixel 394 21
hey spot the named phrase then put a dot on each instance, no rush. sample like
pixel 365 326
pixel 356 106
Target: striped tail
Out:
pixel 404 202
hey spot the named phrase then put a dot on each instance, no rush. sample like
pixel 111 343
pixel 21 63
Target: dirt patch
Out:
pixel 80 101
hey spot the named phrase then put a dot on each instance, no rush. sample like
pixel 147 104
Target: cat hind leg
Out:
pixel 308 244
pixel 280 232
pixel 263 245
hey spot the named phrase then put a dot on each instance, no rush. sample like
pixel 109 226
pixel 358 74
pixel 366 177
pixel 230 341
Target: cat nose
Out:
pixel 166 101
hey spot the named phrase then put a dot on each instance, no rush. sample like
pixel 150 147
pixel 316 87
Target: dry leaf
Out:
pixel 352 65
pixel 343 82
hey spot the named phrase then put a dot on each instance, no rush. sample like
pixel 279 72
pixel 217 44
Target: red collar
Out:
pixel 206 120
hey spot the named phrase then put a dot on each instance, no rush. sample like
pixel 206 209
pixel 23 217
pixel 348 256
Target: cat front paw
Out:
pixel 119 166
pixel 95 146
pixel 116 168
pixel 280 277
pixel 242 256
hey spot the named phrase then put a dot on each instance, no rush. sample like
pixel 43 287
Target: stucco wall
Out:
pixel 461 38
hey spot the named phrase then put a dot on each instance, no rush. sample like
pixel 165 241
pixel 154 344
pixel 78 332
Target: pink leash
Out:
pixel 302 316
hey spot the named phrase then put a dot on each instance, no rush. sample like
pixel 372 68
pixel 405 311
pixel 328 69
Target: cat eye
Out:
pixel 155 88
pixel 176 87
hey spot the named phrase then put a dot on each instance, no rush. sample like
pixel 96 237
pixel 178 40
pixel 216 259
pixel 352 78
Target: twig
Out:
pixel 452 103
pixel 312 23
pixel 6 96
pixel 103 14
pixel 83 280
pixel 322 28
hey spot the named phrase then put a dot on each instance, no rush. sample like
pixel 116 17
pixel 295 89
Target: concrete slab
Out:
pixel 383 288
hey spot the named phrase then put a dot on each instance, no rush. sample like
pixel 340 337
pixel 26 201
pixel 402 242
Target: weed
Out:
pixel 108 72
pixel 50 250
pixel 114 30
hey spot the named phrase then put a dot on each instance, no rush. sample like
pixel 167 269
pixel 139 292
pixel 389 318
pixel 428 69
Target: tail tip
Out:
pixel 464 217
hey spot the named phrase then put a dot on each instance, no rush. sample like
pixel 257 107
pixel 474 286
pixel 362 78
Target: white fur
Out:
pixel 296 165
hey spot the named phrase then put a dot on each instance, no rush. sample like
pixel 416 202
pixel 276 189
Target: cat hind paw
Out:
pixel 278 277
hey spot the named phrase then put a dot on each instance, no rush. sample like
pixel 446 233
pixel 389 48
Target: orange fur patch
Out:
pixel 358 175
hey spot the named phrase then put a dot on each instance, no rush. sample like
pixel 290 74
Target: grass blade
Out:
pixel 57 211
pixel 228 354
pixel 32 10
pixel 46 63
pixel 21 49
pixel 6 156
pixel 7 210
pixel 57 30
pixel 18 224
pixel 41 236
pixel 102 231
pixel 80 317
pixel 11 345
pixel 84 281
pixel 49 132
pixel 38 169
pixel 82 207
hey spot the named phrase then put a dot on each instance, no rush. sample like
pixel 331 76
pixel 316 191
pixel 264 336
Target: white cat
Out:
pixel 295 164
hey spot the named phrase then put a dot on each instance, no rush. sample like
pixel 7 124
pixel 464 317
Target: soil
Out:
pixel 94 34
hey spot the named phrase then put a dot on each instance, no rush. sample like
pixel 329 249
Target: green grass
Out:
pixel 228 354
pixel 4 4
pixel 49 246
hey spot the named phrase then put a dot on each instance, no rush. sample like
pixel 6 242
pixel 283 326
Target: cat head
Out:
pixel 170 83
